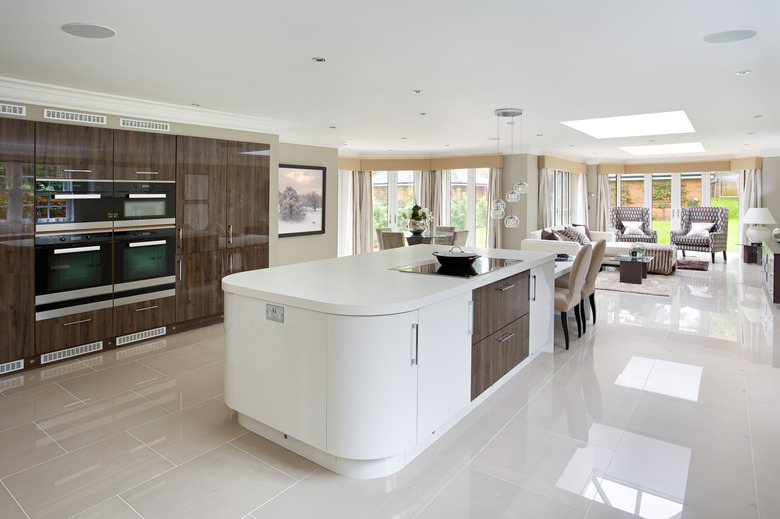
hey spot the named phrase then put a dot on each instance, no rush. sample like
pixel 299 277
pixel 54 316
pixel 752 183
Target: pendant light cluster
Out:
pixel 499 207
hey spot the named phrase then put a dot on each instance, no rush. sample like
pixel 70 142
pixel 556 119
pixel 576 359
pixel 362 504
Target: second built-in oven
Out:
pixel 144 262
pixel 64 205
pixel 144 203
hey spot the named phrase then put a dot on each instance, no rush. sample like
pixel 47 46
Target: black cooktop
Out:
pixel 481 265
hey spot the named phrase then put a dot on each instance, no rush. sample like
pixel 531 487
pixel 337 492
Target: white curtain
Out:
pixel 545 209
pixel 345 213
pixel 580 213
pixel 494 225
pixel 750 197
pixel 433 197
pixel 362 213
pixel 602 203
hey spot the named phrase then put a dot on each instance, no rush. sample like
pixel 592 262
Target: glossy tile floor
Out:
pixel 668 407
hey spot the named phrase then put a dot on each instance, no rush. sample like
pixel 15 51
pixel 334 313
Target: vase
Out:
pixel 417 226
pixel 776 234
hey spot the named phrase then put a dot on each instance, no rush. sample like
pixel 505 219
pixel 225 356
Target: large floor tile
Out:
pixel 110 382
pixel 34 404
pixel 45 376
pixel 100 419
pixel 474 495
pixel 25 446
pixel 114 508
pixel 225 482
pixel 82 479
pixel 186 389
pixel 326 495
pixel 182 359
pixel 278 457
pixel 9 507
pixel 487 419
pixel 191 432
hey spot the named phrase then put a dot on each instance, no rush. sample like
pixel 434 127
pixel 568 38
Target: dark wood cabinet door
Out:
pixel 245 258
pixel 198 285
pixel 248 169
pixel 497 354
pixel 146 315
pixel 73 330
pixel 144 156
pixel 500 303
pixel 200 194
pixel 17 221
pixel 68 151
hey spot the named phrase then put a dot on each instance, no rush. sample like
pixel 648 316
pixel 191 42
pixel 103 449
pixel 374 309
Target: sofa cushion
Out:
pixel 633 227
pixel 569 234
pixel 549 235
pixel 701 229
pixel 582 230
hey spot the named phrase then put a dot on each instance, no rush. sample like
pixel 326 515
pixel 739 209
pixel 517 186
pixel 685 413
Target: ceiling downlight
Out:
pixel 89 30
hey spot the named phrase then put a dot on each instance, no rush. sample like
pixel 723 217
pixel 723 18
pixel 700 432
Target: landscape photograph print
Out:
pixel 301 200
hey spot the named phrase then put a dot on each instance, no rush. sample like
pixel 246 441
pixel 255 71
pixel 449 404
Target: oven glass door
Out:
pixel 71 205
pixel 144 262
pixel 148 203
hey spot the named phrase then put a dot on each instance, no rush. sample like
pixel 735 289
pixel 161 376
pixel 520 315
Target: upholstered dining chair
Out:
pixel 460 237
pixel 589 286
pixel 379 231
pixel 570 296
pixel 710 238
pixel 448 239
pixel 619 221
pixel 393 239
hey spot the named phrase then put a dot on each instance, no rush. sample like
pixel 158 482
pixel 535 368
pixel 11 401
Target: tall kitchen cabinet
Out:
pixel 222 218
pixel 68 151
pixel 17 220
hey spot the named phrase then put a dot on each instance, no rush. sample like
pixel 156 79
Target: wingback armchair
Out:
pixel 618 215
pixel 711 241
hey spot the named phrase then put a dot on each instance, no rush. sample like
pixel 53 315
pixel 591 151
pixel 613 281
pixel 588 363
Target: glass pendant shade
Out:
pixel 521 187
pixel 498 204
pixel 511 221
pixel 496 213
pixel 512 196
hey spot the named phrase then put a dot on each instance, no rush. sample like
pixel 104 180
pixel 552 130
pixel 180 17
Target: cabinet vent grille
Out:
pixel 13 110
pixel 139 336
pixel 71 352
pixel 11 383
pixel 144 125
pixel 125 353
pixel 62 115
pixel 8 367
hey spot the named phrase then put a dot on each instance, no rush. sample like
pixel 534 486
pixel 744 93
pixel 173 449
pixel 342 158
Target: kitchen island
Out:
pixel 359 365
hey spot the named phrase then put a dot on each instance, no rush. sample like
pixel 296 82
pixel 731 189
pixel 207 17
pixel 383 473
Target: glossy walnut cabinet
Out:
pixel 247 189
pixel 73 330
pixel 144 156
pixel 199 285
pixel 68 151
pixel 17 308
pixel 145 315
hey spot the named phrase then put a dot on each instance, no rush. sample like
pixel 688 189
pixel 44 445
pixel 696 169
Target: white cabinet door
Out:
pixel 371 385
pixel 444 363
pixel 542 308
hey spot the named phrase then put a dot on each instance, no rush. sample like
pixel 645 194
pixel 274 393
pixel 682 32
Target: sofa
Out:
pixel 666 255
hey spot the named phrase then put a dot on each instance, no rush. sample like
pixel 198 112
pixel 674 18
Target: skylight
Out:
pixel 664 149
pixel 662 123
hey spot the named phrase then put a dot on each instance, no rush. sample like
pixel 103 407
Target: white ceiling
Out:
pixel 558 60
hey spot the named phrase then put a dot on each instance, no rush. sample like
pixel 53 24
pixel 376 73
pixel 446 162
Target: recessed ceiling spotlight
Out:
pixel 195 104
pixel 332 127
pixel 423 113
pixel 539 135
pixel 743 72
pixel 751 133
pixel 446 145
pixel 757 116
pixel 88 30
pixel 318 59
pixel 729 36
pixel 403 138
pixel 494 138
pixel 417 91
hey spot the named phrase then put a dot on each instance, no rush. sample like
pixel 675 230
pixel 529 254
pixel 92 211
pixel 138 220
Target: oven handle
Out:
pixel 147 243
pixel 71 250
pixel 147 195
pixel 75 196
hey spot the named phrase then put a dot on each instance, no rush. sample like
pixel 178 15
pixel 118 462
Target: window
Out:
pixel 468 203
pixel 393 196
pixel 560 197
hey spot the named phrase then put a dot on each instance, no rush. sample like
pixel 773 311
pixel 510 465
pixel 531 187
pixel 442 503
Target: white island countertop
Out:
pixel 366 284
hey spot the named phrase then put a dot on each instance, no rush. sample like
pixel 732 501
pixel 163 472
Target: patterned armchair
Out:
pixel 714 242
pixel 633 214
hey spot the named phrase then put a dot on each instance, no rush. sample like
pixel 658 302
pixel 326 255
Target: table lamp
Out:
pixel 757 216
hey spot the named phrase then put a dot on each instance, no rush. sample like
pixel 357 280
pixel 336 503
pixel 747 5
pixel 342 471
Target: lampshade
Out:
pixel 758 215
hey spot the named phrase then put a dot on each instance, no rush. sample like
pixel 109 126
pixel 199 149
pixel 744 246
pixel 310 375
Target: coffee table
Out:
pixel 633 268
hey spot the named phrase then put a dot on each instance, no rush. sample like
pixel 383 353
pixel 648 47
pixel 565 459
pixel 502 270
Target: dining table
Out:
pixel 425 237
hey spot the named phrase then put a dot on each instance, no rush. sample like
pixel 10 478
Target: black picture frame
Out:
pixel 301 188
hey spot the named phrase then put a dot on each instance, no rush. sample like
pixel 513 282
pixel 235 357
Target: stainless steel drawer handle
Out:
pixel 504 339
pixel 77 171
pixel 77 322
pixel 145 309
pixel 146 173
pixel 506 287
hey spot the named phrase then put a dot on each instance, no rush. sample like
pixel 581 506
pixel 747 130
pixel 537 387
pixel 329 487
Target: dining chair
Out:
pixel 393 239
pixel 460 237
pixel 589 287
pixel 570 296
pixel 448 239
pixel 379 231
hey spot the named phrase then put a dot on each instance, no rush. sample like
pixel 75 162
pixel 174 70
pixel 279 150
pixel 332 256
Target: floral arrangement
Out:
pixel 418 213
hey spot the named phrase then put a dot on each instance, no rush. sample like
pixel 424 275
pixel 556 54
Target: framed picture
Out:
pixel 301 200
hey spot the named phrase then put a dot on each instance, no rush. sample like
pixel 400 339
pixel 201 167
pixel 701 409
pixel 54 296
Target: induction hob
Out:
pixel 481 265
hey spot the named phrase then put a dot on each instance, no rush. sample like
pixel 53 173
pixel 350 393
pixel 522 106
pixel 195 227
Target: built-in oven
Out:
pixel 144 203
pixel 144 264
pixel 72 205
pixel 72 273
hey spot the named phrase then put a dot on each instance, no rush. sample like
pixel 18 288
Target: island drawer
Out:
pixel 498 304
pixel 497 354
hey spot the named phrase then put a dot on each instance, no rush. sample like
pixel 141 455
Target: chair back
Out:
pixel 589 286
pixel 379 231
pixel 460 237
pixel 618 214
pixel 568 298
pixel 393 239
pixel 719 215
pixel 448 239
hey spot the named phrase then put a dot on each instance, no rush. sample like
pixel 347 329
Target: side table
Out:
pixel 633 268
pixel 751 253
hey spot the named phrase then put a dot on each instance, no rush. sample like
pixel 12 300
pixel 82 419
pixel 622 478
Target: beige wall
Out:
pixel 770 180
pixel 516 168
pixel 296 249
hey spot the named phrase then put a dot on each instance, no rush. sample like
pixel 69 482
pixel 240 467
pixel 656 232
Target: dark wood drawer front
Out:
pixel 498 304
pixel 144 156
pixel 73 330
pixel 146 315
pixel 496 355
